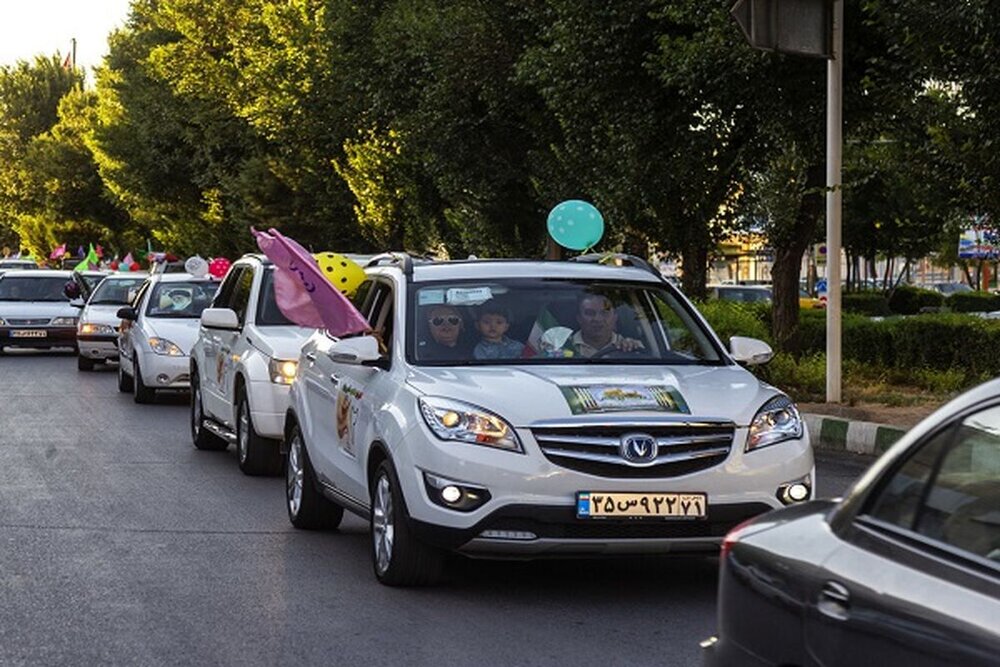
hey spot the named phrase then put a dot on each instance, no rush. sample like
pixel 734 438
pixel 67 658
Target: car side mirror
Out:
pixel 77 303
pixel 220 318
pixel 357 350
pixel 127 313
pixel 71 290
pixel 750 351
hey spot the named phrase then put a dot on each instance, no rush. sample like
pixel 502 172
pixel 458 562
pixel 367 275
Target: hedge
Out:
pixel 972 302
pixel 865 303
pixel 908 300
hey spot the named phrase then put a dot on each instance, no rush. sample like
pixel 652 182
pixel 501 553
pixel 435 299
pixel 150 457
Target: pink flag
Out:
pixel 301 290
pixel 58 252
pixel 128 261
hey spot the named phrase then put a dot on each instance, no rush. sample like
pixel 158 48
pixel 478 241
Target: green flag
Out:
pixel 91 258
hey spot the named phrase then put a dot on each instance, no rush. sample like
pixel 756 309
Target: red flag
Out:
pixel 67 62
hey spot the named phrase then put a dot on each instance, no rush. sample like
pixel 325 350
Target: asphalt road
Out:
pixel 122 544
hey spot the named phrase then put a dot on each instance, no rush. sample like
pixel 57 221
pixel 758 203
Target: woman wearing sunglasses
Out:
pixel 446 326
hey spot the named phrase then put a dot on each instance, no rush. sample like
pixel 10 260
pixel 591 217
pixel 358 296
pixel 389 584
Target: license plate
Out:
pixel 601 505
pixel 28 333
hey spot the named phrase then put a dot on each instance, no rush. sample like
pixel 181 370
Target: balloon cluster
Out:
pixel 345 274
pixel 122 266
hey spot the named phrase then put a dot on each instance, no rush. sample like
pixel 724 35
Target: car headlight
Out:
pixel 163 346
pixel 778 420
pixel 2 322
pixel 454 420
pixel 63 322
pixel 282 371
pixel 91 328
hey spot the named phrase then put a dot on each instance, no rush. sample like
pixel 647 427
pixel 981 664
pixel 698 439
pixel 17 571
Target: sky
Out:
pixel 43 27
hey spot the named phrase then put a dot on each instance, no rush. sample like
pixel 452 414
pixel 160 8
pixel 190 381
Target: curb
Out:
pixel 857 437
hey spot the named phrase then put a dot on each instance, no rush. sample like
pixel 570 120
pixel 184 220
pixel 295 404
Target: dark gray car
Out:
pixel 904 571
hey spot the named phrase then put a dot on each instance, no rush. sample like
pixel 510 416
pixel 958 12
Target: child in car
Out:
pixel 493 323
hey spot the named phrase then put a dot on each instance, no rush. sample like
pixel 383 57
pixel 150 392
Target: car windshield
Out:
pixel 546 321
pixel 268 313
pixel 34 288
pixel 91 280
pixel 114 291
pixel 744 294
pixel 180 299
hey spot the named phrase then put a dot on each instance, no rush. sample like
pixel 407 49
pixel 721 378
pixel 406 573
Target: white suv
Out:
pixel 242 364
pixel 521 408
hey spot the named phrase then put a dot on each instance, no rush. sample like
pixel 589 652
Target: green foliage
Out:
pixel 908 300
pixel 972 302
pixel 804 377
pixel 731 318
pixel 866 303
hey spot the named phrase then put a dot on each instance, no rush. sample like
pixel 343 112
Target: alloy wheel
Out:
pixel 383 531
pixel 243 432
pixel 295 475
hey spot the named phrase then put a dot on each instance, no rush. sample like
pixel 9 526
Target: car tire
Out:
pixel 141 393
pixel 84 364
pixel 398 557
pixel 124 379
pixel 255 454
pixel 308 508
pixel 202 438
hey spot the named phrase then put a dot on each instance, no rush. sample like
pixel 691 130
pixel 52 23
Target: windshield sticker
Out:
pixel 469 296
pixel 618 398
pixel 430 297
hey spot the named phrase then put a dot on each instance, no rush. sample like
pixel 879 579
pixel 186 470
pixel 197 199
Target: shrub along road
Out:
pixel 122 544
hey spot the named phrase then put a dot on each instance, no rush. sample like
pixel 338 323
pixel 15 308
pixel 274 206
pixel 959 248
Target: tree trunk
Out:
pixel 694 266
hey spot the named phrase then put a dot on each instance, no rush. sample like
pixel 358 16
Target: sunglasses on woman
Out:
pixel 453 320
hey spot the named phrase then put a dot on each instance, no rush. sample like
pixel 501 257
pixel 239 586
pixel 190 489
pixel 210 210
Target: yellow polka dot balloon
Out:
pixel 345 274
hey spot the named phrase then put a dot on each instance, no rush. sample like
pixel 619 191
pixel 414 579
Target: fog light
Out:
pixel 454 495
pixel 795 492
pixel 163 378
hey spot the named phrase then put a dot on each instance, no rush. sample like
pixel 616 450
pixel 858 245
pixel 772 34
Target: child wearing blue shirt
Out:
pixel 493 323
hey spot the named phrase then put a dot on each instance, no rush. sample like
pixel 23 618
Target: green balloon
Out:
pixel 576 224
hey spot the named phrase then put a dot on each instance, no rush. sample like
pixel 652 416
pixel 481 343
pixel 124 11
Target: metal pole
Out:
pixel 834 149
pixel 73 62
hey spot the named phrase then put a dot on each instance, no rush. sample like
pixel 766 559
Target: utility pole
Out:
pixel 73 59
pixel 834 197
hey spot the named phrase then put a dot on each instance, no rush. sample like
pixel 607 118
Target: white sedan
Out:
pixel 158 331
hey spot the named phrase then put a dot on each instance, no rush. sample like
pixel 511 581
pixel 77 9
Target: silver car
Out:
pixel 34 312
pixel 97 330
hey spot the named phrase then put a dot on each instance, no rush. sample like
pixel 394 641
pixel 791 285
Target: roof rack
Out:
pixel 401 259
pixel 617 259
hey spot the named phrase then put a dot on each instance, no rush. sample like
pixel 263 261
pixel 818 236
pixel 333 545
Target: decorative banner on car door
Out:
pixel 624 398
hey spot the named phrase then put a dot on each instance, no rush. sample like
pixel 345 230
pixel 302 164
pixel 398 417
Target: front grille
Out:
pixel 28 323
pixel 682 447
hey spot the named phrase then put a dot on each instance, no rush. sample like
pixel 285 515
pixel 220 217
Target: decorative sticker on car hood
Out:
pixel 623 398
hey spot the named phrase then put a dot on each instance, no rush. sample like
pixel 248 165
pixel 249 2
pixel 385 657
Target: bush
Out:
pixel 972 302
pixel 907 300
pixel 866 303
pixel 731 318
pixel 804 379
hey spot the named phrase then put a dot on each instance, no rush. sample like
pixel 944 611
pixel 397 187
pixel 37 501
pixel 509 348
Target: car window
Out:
pixel 114 291
pixel 224 295
pixel 36 288
pixel 180 299
pixel 241 294
pixel 949 489
pixel 564 321
pixel 268 313
pixel 382 314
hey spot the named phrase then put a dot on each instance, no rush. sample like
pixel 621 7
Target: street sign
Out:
pixel 799 27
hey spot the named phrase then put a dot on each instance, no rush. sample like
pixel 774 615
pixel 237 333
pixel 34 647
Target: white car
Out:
pixel 242 365
pixel 158 332
pixel 34 312
pixel 97 328
pixel 526 409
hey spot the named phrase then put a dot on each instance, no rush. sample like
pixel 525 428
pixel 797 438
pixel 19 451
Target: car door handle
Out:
pixel 311 356
pixel 335 379
pixel 834 601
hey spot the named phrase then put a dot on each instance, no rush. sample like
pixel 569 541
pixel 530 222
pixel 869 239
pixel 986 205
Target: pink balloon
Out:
pixel 218 267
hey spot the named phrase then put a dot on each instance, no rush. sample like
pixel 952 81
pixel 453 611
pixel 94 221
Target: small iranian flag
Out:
pixel 543 322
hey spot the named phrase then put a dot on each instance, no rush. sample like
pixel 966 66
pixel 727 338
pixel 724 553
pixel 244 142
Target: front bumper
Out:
pixel 269 403
pixel 528 493
pixel 160 371
pixel 54 337
pixel 98 346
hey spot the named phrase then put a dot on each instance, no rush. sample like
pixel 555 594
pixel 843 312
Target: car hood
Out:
pixel 182 332
pixel 102 314
pixel 526 395
pixel 37 309
pixel 282 342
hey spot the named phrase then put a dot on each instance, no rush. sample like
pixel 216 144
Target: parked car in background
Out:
pixel 242 365
pixel 158 332
pixel 495 412
pixel 807 302
pixel 905 570
pixel 740 293
pixel 948 288
pixel 34 312
pixel 97 328
pixel 8 264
